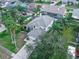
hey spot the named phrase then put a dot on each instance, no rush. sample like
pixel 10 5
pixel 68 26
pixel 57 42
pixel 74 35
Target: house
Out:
pixel 54 11
pixel 75 13
pixel 43 22
pixel 10 3
pixel 39 26
pixel 69 1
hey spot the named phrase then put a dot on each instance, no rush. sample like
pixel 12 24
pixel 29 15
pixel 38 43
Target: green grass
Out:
pixel 5 40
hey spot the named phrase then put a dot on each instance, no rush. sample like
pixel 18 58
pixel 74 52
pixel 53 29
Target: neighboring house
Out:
pixel 71 52
pixel 10 3
pixel 38 27
pixel 69 1
pixel 75 13
pixel 54 10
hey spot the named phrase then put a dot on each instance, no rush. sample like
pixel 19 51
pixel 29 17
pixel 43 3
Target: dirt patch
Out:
pixel 20 39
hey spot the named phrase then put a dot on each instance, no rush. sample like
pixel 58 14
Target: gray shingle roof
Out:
pixel 42 21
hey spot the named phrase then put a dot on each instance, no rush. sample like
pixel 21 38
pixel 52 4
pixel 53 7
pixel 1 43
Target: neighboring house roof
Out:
pixel 10 3
pixel 36 33
pixel 75 13
pixel 51 9
pixel 42 21
pixel 54 9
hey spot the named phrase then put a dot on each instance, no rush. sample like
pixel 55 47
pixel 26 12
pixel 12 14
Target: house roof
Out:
pixel 54 9
pixel 42 21
pixel 36 33
pixel 75 13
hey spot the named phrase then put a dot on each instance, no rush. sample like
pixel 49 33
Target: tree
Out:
pixel 52 46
